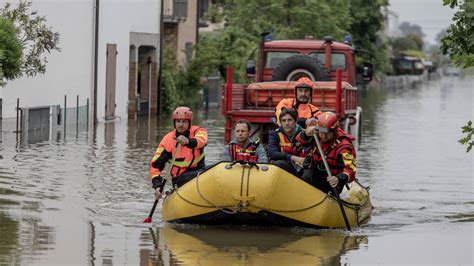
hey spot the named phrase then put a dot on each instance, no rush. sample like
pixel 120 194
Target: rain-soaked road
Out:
pixel 82 200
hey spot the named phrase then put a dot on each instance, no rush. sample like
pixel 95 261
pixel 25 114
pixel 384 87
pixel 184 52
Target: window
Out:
pixel 275 58
pixel 337 60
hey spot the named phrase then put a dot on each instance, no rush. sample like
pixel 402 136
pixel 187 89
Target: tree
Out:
pixel 243 22
pixel 406 43
pixel 10 51
pixel 292 19
pixel 406 29
pixel 458 43
pixel 35 38
pixel 367 20
pixel 289 19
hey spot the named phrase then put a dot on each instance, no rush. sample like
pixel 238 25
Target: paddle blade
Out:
pixel 147 220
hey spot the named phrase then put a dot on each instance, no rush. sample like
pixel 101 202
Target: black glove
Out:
pixel 308 161
pixel 342 180
pixel 157 181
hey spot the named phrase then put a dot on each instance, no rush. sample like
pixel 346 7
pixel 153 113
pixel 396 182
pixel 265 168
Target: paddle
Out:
pixel 148 219
pixel 328 170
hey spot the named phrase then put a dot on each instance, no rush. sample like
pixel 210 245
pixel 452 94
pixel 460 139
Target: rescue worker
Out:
pixel 307 112
pixel 283 149
pixel 189 158
pixel 242 148
pixel 339 150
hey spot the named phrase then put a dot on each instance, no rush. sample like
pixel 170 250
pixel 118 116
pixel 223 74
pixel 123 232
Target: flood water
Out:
pixel 81 200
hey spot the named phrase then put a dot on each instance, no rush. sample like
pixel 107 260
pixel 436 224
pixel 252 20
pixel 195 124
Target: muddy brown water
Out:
pixel 81 200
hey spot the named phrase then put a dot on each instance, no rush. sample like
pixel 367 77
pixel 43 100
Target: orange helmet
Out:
pixel 183 112
pixel 304 82
pixel 327 122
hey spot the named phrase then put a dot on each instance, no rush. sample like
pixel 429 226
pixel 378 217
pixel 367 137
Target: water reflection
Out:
pixel 270 246
pixel 22 242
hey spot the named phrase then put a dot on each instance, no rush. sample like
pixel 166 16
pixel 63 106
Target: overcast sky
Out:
pixel 431 15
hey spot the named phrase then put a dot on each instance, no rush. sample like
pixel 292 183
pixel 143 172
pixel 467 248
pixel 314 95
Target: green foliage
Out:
pixel 10 51
pixel 284 19
pixel 181 84
pixel 458 42
pixel 244 21
pixel 467 140
pixel 414 53
pixel 366 23
pixel 410 42
pixel 34 35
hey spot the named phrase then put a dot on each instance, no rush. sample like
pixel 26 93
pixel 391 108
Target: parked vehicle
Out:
pixel 279 63
pixel 407 65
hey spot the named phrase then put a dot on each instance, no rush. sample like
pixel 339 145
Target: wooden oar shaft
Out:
pixel 163 183
pixel 328 170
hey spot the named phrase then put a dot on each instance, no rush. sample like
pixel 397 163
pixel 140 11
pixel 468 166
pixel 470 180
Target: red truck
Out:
pixel 279 63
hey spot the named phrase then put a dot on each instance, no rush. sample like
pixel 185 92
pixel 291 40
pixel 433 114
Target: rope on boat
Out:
pixel 233 209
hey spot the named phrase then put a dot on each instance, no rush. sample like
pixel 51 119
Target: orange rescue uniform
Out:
pixel 304 110
pixel 189 157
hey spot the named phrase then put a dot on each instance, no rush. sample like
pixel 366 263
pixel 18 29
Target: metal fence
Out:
pixel 52 122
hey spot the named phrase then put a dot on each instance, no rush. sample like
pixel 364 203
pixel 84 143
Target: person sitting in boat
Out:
pixel 242 148
pixel 339 150
pixel 184 147
pixel 307 112
pixel 283 149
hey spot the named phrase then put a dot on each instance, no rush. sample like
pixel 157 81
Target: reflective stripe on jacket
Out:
pixel 282 147
pixel 340 154
pixel 190 156
pixel 253 152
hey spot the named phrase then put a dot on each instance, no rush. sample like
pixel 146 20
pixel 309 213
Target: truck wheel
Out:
pixel 299 66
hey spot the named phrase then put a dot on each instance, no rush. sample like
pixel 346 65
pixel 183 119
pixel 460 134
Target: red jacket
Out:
pixel 189 156
pixel 340 154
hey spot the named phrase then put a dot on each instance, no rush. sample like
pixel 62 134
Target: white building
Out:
pixel 112 70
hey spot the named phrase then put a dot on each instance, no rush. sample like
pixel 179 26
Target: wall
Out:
pixel 117 20
pixel 67 72
pixel 187 31
pixel 71 71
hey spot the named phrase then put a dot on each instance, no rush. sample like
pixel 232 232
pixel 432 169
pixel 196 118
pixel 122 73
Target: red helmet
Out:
pixel 327 122
pixel 183 112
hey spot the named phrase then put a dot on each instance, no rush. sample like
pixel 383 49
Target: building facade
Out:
pixel 109 58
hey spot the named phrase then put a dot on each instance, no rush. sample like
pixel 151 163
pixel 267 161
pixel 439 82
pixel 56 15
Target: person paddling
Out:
pixel 186 144
pixel 339 150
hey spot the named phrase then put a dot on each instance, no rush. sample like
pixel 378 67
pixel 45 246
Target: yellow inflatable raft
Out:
pixel 262 194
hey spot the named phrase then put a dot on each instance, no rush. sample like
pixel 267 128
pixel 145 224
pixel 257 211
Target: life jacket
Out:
pixel 305 110
pixel 340 156
pixel 247 154
pixel 290 145
pixel 186 158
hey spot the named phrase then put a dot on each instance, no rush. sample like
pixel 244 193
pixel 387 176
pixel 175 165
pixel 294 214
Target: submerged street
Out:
pixel 81 200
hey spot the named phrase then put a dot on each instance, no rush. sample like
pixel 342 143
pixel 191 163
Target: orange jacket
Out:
pixel 305 110
pixel 189 156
